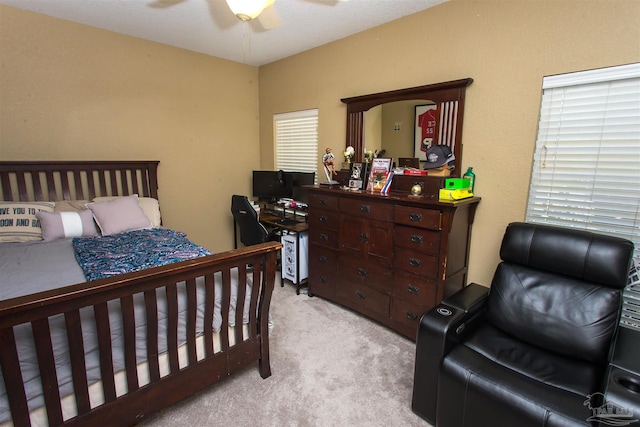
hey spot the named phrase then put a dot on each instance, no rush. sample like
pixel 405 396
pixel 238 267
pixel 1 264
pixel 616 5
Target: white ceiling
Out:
pixel 209 27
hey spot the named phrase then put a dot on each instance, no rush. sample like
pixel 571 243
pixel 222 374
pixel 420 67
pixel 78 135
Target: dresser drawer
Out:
pixel 322 271
pixel 323 201
pixel 324 237
pixel 364 297
pixel 406 315
pixel 367 209
pixel 369 273
pixel 322 258
pixel 414 289
pixel 417 217
pixel 321 218
pixel 415 262
pixel 418 239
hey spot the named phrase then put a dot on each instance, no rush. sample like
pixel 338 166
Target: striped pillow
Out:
pixel 67 224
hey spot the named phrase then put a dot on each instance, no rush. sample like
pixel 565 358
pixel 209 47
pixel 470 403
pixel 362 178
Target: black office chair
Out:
pixel 246 218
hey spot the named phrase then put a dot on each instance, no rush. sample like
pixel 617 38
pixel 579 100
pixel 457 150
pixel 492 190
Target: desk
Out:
pixel 274 220
pixel 295 250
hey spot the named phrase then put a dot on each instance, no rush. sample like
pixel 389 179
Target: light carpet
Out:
pixel 330 367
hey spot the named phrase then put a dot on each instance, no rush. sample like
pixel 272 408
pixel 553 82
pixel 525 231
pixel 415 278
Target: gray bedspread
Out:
pixel 30 267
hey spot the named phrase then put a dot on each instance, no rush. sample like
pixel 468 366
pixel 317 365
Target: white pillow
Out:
pixel 18 220
pixel 61 225
pixel 119 215
pixel 149 205
pixel 70 205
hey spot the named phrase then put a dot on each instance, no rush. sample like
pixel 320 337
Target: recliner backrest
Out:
pixel 252 231
pixel 560 289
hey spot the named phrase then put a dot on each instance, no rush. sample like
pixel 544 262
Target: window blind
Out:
pixel 631 299
pixel 296 135
pixel 586 166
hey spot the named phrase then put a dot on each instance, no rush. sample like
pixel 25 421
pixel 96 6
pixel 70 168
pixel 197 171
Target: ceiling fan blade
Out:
pixel 327 2
pixel 269 18
pixel 162 4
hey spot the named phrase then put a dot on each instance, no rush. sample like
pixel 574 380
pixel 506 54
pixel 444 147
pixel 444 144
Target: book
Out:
pixel 411 171
pixel 379 177
pixel 381 182
pixel 380 165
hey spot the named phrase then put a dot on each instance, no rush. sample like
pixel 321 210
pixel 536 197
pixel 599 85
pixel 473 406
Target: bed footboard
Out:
pixel 209 356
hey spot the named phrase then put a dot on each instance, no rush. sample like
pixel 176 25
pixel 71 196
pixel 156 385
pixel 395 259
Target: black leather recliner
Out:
pixel 533 349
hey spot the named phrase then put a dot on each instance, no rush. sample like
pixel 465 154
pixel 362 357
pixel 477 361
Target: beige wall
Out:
pixel 506 46
pixel 68 91
pixel 398 143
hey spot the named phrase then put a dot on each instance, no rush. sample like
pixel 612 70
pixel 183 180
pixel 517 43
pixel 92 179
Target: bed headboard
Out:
pixel 26 181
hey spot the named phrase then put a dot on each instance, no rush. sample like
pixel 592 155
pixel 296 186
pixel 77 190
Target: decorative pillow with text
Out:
pixel 18 220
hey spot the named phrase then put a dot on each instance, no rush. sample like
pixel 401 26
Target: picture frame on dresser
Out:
pixel 358 176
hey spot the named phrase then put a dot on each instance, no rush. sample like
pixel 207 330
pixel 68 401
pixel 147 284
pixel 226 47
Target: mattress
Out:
pixel 32 267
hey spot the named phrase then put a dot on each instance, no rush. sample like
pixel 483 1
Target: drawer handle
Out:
pixel 413 290
pixel 414 262
pixel 323 201
pixel 362 272
pixel 323 279
pixel 416 239
pixel 323 258
pixel 415 217
pixel 324 237
pixel 364 237
pixel 365 208
pixel 411 316
pixel 324 219
pixel 361 295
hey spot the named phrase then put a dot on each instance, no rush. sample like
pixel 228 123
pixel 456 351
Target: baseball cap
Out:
pixel 438 155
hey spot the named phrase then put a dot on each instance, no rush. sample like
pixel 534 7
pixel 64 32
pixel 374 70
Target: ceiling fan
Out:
pixel 262 10
pixel 247 10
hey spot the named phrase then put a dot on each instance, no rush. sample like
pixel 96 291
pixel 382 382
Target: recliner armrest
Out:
pixel 469 299
pixel 438 330
pixel 623 374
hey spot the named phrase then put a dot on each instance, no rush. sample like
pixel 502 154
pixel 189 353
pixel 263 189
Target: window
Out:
pixel 297 141
pixel 586 166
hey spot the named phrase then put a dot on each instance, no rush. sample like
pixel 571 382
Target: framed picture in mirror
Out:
pixel 425 129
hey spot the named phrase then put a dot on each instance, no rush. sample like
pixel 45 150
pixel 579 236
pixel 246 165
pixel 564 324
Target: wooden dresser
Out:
pixel 389 257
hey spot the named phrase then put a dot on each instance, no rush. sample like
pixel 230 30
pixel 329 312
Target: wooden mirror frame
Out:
pixel 448 97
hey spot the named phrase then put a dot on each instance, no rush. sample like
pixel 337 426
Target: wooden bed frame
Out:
pixel 84 180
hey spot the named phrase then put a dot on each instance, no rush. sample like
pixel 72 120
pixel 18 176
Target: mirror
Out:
pixel 392 127
pixel 447 100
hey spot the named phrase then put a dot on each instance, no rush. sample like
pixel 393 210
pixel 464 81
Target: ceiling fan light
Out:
pixel 247 10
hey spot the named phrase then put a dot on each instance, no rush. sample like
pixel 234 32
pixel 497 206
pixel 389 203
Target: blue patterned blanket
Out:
pixel 107 256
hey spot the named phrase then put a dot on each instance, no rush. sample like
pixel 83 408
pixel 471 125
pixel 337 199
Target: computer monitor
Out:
pixel 270 186
pixel 409 162
pixel 300 179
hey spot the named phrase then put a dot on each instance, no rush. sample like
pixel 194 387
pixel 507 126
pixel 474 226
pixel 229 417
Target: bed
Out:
pixel 113 350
